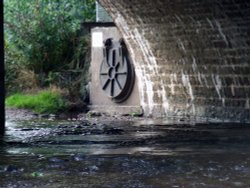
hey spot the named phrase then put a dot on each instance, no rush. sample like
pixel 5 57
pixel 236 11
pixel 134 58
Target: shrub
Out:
pixel 43 36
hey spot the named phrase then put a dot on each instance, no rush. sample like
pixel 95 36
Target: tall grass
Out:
pixel 42 102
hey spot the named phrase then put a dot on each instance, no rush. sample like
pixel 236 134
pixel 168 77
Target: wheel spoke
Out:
pixel 103 73
pixel 117 81
pixel 106 84
pixel 121 73
pixel 112 88
pixel 113 58
pixel 117 66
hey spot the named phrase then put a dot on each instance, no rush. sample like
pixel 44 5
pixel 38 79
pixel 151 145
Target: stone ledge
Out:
pixel 117 110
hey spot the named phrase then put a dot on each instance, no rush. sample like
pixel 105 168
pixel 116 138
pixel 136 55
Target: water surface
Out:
pixel 43 153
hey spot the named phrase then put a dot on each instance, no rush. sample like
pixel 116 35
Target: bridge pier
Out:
pixel 2 111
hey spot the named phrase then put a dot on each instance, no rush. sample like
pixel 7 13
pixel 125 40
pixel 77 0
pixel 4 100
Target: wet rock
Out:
pixel 62 126
pixel 56 163
pixel 59 166
pixel 91 169
pixel 113 131
pixel 242 168
pixel 12 168
pixel 224 179
pixel 238 184
pixel 78 157
pixel 85 123
pixel 41 157
pixel 44 116
pixel 94 114
pixel 84 173
pixel 78 126
pixel 56 160
pixel 52 117
pixel 19 114
pixel 182 119
pixel 28 129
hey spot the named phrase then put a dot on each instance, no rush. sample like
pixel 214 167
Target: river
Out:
pixel 142 153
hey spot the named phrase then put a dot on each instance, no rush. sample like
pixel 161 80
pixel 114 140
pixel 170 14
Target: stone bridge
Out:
pixel 191 57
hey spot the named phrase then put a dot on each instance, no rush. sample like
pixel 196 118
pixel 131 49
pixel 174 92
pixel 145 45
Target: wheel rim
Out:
pixel 116 71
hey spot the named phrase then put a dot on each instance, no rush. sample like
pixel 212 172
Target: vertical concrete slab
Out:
pixel 98 98
pixel 2 111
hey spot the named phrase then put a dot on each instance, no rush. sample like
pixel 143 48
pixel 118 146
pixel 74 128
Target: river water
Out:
pixel 60 153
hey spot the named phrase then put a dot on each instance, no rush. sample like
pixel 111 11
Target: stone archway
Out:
pixel 192 58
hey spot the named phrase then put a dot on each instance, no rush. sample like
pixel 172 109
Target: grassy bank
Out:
pixel 41 102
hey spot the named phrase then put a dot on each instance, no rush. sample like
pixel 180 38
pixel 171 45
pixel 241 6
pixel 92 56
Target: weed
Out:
pixel 135 114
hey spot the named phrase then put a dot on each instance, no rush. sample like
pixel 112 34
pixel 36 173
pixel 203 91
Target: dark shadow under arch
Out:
pixel 2 91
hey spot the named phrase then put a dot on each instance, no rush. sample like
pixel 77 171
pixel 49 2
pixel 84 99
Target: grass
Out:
pixel 42 102
pixel 135 114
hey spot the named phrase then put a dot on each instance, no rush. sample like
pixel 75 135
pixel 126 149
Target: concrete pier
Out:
pixel 2 112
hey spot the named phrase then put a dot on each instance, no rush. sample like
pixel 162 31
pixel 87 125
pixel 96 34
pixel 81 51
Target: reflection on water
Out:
pixel 120 154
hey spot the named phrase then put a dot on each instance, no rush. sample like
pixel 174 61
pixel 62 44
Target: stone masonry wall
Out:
pixel 192 57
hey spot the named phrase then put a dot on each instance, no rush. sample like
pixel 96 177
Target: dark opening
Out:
pixel 2 112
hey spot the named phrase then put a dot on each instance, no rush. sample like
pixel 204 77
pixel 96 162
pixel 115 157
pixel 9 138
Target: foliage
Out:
pixel 136 114
pixel 44 37
pixel 37 174
pixel 42 102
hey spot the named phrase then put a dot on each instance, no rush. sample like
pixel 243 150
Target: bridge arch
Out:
pixel 192 58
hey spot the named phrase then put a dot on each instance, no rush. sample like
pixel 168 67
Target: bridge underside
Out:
pixel 192 57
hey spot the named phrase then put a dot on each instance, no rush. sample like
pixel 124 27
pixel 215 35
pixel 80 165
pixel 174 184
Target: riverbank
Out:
pixel 14 114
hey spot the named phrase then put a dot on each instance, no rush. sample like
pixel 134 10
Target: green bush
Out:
pixel 43 102
pixel 44 36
